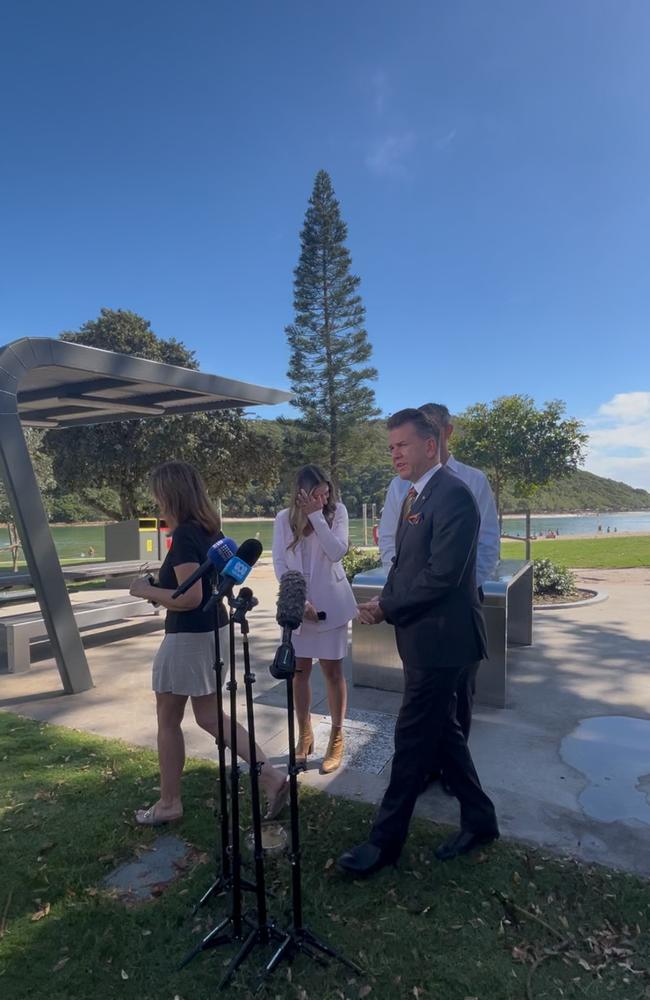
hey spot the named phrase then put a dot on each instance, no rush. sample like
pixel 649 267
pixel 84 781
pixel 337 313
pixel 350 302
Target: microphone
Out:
pixel 291 600
pixel 236 569
pixel 218 556
pixel 291 608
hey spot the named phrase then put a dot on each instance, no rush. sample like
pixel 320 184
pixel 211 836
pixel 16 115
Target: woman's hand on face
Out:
pixel 309 503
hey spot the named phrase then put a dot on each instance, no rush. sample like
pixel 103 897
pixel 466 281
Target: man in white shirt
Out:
pixel 488 541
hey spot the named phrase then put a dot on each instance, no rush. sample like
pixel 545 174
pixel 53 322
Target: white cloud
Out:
pixel 389 155
pixel 619 439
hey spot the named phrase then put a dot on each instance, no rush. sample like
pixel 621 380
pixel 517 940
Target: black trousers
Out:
pixel 465 691
pixel 428 732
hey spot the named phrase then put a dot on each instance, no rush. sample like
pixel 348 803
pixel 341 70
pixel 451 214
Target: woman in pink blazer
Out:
pixel 311 536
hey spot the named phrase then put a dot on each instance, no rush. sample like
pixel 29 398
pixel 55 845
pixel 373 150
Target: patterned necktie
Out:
pixel 408 503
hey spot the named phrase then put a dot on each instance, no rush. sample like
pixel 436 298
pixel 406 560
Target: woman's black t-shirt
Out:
pixel 190 544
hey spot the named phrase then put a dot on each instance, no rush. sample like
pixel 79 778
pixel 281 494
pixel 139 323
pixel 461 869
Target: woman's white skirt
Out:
pixel 331 644
pixel 184 663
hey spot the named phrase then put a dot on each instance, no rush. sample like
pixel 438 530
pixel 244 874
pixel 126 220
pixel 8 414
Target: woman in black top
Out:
pixel 184 664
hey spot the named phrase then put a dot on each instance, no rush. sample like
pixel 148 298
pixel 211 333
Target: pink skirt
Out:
pixel 311 642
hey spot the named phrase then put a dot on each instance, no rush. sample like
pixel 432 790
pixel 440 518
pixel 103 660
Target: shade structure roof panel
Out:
pixel 54 383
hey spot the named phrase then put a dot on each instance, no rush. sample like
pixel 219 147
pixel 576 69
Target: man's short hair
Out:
pixel 425 425
pixel 438 412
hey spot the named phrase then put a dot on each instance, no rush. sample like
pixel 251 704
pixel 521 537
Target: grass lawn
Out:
pixel 608 552
pixel 508 924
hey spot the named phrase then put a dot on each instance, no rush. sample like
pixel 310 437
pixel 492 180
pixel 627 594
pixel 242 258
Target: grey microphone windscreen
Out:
pixel 291 599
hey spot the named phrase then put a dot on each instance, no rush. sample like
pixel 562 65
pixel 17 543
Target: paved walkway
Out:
pixel 587 796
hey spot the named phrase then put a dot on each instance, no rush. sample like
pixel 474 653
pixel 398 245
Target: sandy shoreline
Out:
pixel 569 537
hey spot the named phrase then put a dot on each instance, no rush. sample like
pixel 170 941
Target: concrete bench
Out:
pixel 16 631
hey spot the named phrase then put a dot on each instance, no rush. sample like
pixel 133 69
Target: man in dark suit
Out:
pixel 430 597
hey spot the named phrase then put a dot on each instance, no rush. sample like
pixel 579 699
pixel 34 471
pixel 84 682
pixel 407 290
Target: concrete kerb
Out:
pixel 598 596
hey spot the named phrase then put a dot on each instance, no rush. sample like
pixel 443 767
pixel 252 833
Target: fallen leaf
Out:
pixel 61 963
pixel 329 863
pixel 43 912
pixel 124 974
pixel 365 990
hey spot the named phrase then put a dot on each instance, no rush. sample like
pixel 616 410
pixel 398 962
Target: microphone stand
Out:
pixel 263 930
pixel 299 938
pixel 230 880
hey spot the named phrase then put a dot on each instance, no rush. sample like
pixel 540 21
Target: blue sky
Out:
pixel 491 160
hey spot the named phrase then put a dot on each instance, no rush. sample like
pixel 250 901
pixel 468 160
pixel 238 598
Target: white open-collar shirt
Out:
pixel 487 554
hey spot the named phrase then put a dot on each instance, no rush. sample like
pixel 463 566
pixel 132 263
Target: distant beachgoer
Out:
pixel 600 527
pixel 608 529
pixel 615 528
pixel 91 551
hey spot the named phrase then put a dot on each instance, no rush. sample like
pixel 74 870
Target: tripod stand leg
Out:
pixel 212 939
pixel 312 941
pixel 219 886
pixel 236 961
pixel 274 961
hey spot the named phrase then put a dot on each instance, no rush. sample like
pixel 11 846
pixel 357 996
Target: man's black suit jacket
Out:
pixel 430 595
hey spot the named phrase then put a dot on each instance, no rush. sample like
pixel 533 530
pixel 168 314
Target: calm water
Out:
pixel 580 524
pixel 73 542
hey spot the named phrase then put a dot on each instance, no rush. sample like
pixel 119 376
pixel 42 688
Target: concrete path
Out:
pixel 587 796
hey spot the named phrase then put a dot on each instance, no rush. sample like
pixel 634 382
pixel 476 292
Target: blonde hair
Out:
pixel 307 479
pixel 178 487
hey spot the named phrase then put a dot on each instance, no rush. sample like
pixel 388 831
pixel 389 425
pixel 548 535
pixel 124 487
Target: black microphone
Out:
pixel 218 556
pixel 291 609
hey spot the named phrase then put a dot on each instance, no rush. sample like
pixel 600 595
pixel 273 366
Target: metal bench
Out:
pixel 508 612
pixel 16 631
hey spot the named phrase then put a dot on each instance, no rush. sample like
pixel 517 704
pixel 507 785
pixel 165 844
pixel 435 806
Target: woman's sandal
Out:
pixel 149 817
pixel 279 801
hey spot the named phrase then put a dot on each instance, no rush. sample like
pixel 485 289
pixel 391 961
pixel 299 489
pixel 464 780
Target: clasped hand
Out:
pixel 140 587
pixel 370 613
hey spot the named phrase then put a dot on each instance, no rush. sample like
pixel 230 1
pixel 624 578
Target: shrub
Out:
pixel 359 560
pixel 549 578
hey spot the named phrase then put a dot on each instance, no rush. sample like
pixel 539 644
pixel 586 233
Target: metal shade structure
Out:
pixel 52 383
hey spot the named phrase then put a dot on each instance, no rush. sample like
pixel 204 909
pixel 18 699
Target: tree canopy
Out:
pixel 330 350
pixel 108 464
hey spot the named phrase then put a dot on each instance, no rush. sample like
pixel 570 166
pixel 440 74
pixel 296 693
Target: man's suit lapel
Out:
pixel 418 505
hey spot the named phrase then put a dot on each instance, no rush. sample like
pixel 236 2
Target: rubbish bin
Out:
pixel 134 539
pixel 164 539
pixel 508 610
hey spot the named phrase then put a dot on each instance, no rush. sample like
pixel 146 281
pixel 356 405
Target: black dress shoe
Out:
pixel 364 860
pixel 463 842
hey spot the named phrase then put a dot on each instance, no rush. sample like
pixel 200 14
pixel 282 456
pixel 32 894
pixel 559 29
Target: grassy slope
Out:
pixel 592 553
pixel 430 930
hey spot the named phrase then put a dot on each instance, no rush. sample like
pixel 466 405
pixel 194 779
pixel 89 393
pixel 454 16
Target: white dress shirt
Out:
pixel 487 554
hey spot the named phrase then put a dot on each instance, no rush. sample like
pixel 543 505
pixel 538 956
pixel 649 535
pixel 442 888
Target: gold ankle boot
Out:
pixel 305 744
pixel 334 755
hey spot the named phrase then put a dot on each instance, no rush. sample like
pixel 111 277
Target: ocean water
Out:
pixel 73 541
pixel 580 524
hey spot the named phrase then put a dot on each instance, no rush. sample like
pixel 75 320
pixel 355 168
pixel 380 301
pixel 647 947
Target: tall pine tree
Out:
pixel 329 345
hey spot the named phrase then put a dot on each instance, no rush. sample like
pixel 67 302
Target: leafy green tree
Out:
pixel 42 464
pixel 329 345
pixel 107 465
pixel 518 444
